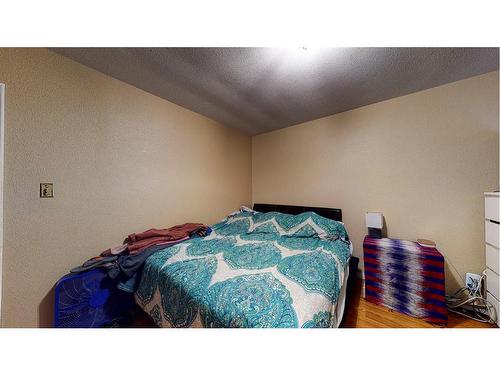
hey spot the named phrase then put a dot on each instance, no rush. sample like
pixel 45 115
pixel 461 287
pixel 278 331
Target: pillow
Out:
pixel 234 224
pixel 242 209
pixel 306 224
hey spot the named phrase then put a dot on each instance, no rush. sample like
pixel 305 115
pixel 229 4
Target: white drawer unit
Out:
pixel 491 207
pixel 493 258
pixel 493 283
pixel 492 233
pixel 496 305
pixel 492 239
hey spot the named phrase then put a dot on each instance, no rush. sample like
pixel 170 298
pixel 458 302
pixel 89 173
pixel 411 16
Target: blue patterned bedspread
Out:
pixel 254 270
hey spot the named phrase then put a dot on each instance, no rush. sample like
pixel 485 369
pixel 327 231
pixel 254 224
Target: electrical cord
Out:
pixel 471 303
pixel 453 267
pixel 480 308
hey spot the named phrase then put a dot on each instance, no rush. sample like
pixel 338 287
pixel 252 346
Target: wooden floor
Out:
pixel 363 314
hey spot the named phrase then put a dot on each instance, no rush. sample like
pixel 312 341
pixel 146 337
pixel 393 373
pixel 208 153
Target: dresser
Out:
pixel 492 245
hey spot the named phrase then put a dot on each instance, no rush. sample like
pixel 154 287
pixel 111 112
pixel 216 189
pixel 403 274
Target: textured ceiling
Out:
pixel 262 89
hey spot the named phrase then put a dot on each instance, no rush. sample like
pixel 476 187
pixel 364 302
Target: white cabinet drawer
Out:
pixel 492 233
pixel 493 258
pixel 492 208
pixel 496 305
pixel 493 283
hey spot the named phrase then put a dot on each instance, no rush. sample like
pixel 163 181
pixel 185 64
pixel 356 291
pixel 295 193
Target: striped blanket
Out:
pixel 406 277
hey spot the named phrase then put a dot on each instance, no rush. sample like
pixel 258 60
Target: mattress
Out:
pixel 254 270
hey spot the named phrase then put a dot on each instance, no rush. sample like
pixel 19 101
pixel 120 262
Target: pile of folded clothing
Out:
pixel 124 263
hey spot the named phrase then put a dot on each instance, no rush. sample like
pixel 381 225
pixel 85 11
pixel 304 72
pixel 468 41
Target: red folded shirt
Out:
pixel 138 242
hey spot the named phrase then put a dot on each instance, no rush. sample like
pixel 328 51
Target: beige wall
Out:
pixel 424 160
pixel 121 160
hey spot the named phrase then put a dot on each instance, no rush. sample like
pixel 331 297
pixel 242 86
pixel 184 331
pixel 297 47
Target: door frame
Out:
pixel 2 143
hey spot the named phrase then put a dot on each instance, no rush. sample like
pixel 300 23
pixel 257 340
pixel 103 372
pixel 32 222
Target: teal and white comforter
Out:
pixel 254 270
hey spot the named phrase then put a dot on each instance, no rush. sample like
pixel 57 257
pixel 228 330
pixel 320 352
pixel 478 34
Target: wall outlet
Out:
pixel 46 190
pixel 472 281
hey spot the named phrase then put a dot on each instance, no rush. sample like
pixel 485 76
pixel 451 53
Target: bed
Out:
pixel 279 267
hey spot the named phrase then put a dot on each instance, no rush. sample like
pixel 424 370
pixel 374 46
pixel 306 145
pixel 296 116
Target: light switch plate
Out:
pixel 46 190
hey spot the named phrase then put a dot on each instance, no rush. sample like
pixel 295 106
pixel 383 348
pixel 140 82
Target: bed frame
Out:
pixel 329 213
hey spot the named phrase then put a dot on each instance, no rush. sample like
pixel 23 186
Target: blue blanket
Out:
pixel 254 270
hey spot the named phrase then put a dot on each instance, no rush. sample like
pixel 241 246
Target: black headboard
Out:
pixel 329 213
